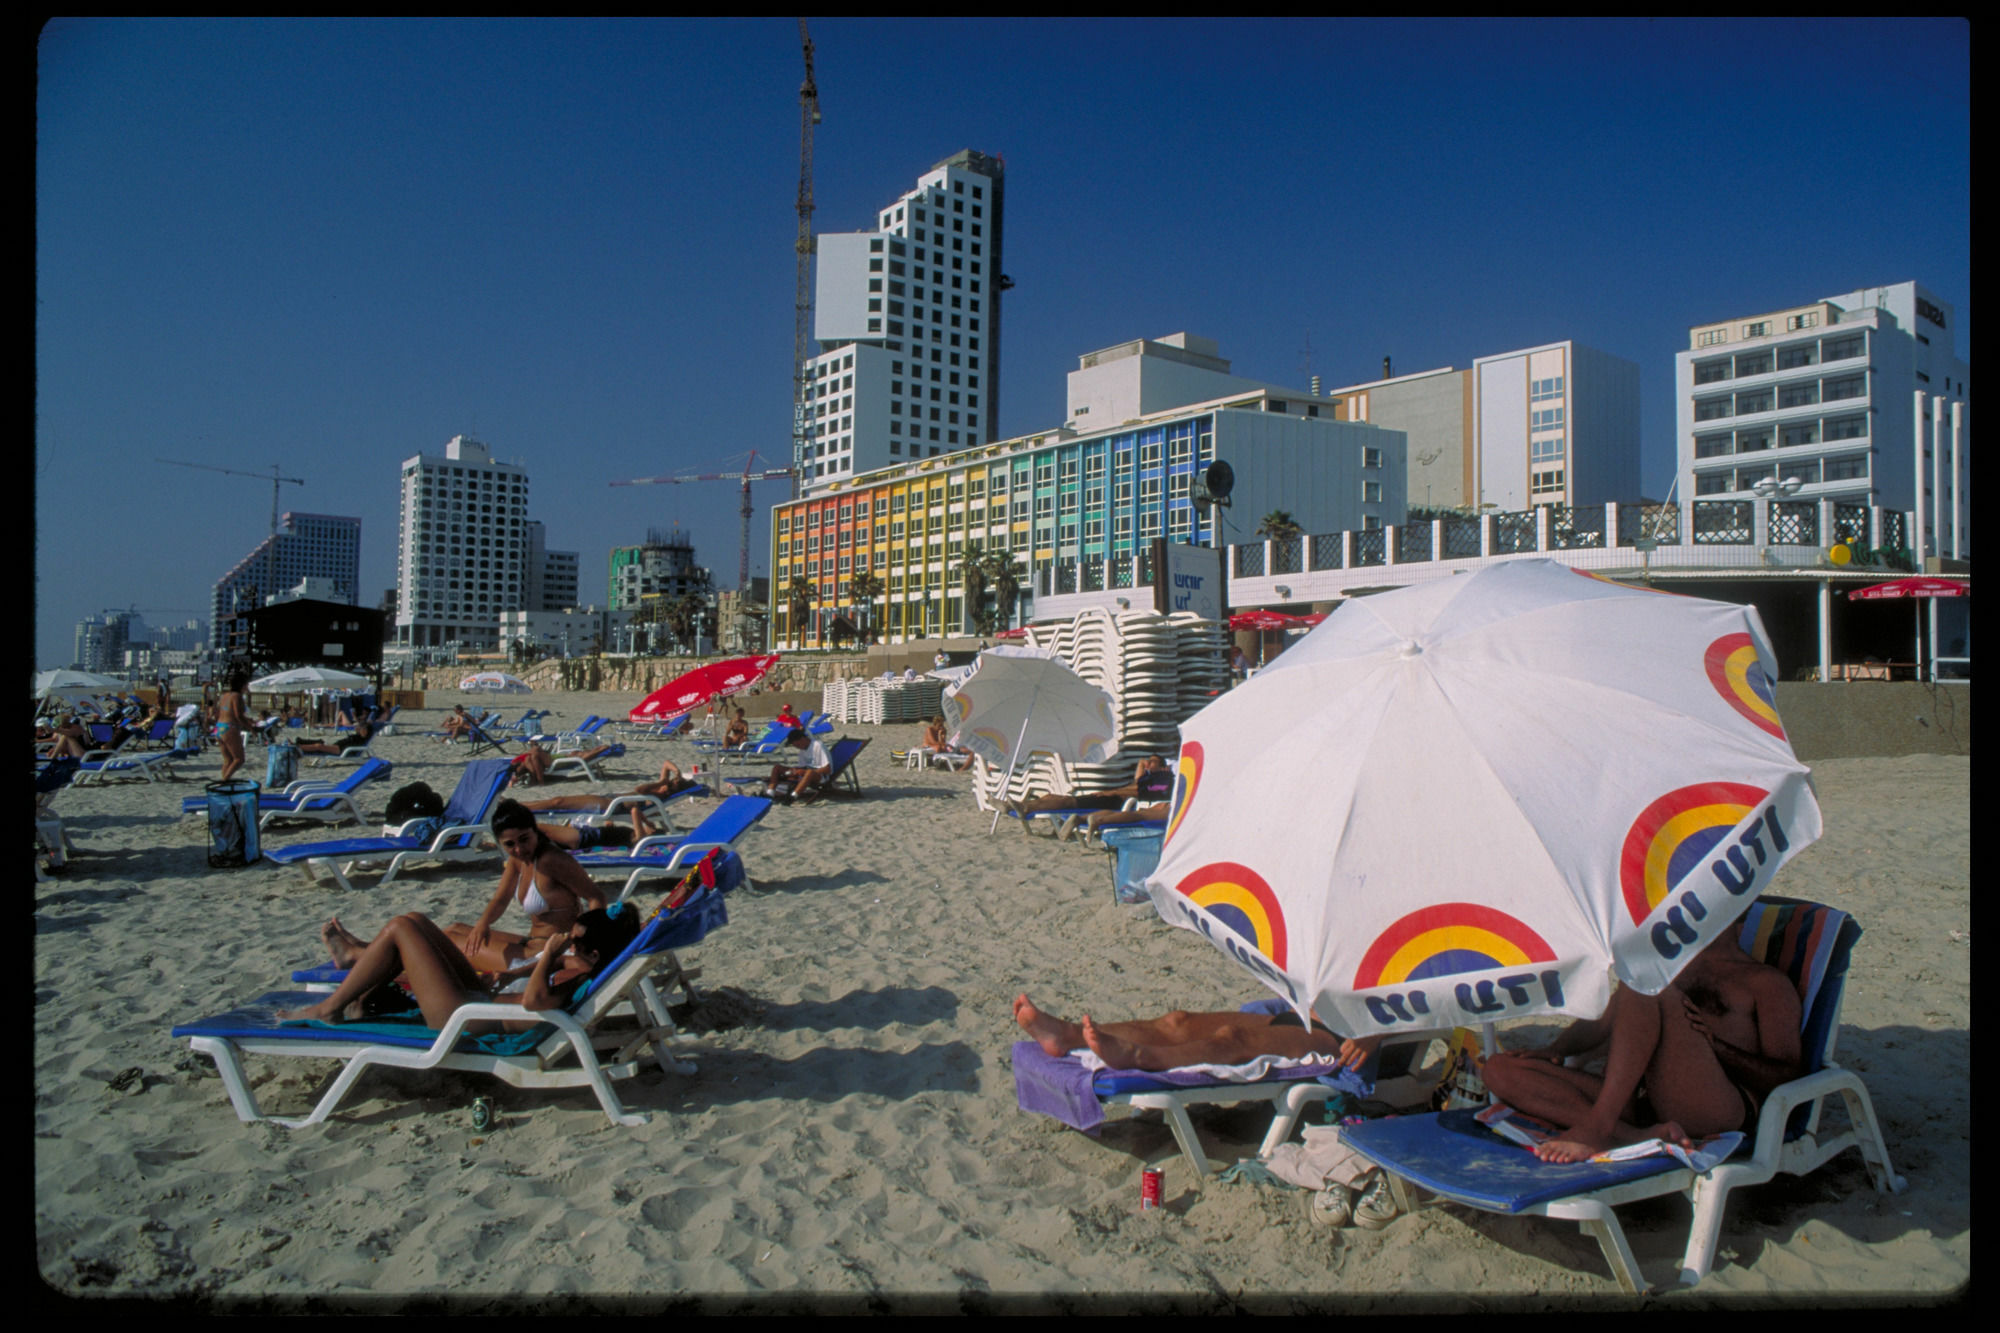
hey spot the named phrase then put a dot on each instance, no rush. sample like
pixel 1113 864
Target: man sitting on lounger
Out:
pixel 1179 1038
pixel 1696 1059
pixel 1151 784
pixel 803 778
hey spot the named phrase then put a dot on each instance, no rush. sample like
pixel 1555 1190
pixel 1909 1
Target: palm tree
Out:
pixel 972 566
pixel 865 587
pixel 1005 575
pixel 1278 525
pixel 800 595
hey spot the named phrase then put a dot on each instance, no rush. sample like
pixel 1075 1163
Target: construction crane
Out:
pixel 801 329
pixel 275 481
pixel 748 510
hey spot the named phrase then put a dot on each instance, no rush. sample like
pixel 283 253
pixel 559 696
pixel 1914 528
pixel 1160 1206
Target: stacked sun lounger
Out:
pixel 880 700
pixel 1158 670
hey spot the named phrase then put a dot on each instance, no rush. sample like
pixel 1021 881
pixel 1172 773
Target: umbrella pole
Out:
pixel 1011 760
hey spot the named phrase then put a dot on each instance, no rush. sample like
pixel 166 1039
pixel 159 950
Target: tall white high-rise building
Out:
pixel 1858 398
pixel 907 315
pixel 461 547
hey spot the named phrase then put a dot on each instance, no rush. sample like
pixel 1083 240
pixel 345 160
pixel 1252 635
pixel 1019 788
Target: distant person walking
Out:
pixel 232 718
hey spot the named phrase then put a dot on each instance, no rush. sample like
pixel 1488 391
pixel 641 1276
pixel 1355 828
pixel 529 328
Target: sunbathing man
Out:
pixel 456 725
pixel 1179 1038
pixel 531 766
pixel 364 730
pixel 1151 783
pixel 584 837
pixel 1696 1059
pixel 804 778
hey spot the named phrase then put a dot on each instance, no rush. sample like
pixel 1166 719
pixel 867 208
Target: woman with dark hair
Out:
pixel 543 878
pixel 437 976
pixel 232 716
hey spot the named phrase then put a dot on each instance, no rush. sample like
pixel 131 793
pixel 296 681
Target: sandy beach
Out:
pixel 851 1139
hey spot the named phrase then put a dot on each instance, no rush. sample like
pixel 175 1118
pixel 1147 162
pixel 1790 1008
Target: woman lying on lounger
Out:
pixel 585 837
pixel 1179 1038
pixel 436 975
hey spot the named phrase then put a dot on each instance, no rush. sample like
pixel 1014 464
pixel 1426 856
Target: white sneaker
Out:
pixel 1376 1208
pixel 1332 1206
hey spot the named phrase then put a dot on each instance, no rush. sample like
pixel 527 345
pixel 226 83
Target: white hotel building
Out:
pixel 1856 398
pixel 461 547
pixel 907 316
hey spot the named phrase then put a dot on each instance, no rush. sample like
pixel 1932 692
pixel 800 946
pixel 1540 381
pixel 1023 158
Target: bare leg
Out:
pixel 342 944
pixel 1214 1039
pixel 578 802
pixel 503 949
pixel 1057 1036
pixel 1595 1112
pixel 408 946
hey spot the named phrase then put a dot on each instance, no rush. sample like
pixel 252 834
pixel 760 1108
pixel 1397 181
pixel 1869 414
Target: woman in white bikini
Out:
pixel 543 878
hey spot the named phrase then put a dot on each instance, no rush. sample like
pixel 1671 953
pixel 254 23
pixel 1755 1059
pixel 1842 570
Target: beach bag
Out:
pixel 232 823
pixel 281 766
pixel 416 801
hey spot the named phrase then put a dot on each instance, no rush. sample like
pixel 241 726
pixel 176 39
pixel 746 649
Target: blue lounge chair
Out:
pixel 667 854
pixel 327 802
pixel 840 777
pixel 466 825
pixel 1457 1159
pixel 540 1058
pixel 757 747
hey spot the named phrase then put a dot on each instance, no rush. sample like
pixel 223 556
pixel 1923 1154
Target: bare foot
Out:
pixel 1052 1033
pixel 1580 1146
pixel 310 1014
pixel 1671 1132
pixel 1116 1052
pixel 341 944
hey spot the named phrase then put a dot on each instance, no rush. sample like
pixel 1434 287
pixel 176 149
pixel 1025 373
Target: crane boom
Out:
pixel 275 481
pixel 802 309
pixel 747 510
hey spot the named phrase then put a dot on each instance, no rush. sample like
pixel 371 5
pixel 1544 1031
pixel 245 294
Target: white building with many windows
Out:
pixel 319 546
pixel 461 547
pixel 1857 398
pixel 907 316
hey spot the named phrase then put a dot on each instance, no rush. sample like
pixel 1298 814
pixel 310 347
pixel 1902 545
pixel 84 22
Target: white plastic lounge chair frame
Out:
pixel 542 1067
pixel 1770 1155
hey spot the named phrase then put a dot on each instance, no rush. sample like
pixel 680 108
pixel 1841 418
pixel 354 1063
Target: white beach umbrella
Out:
pixel 71 684
pixel 308 678
pixel 496 682
pixel 1486 797
pixel 1023 701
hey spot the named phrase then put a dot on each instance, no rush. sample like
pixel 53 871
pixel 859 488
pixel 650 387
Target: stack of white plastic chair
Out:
pixel 833 699
pixel 1158 670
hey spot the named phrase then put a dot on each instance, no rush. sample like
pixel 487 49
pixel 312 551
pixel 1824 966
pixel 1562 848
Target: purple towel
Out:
pixel 1055 1085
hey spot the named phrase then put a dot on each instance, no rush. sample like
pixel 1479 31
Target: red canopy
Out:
pixel 1919 587
pixel 1261 620
pixel 1020 632
pixel 717 680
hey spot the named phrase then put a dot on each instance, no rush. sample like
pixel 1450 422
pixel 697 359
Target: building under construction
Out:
pixel 662 566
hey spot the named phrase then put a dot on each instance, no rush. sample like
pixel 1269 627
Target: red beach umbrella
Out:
pixel 1919 587
pixel 1263 620
pixel 717 680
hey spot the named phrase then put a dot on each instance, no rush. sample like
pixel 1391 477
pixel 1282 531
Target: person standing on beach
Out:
pixel 232 717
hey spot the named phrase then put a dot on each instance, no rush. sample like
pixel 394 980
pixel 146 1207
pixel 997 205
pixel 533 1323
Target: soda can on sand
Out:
pixel 1149 1188
pixel 482 1114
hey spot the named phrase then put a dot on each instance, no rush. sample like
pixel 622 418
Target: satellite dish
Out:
pixel 1220 479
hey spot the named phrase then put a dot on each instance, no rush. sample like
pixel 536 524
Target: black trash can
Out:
pixel 232 823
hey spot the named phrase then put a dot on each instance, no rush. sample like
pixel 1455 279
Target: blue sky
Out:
pixel 332 245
